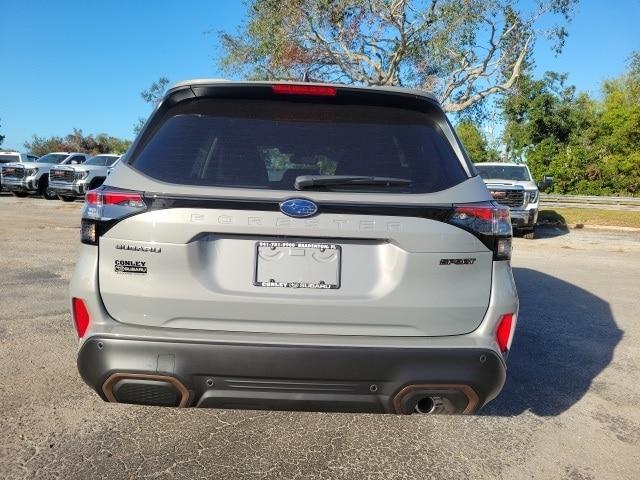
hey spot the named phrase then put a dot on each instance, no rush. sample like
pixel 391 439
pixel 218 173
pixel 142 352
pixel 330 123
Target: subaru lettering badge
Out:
pixel 298 207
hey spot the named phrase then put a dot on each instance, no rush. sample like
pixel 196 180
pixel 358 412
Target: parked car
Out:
pixel 14 157
pixel 512 185
pixel 297 247
pixel 33 177
pixel 72 181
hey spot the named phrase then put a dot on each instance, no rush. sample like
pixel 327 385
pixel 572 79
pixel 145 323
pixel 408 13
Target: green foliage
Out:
pixel 463 50
pixel 152 95
pixel 589 146
pixel 1 137
pixel 77 142
pixel 475 143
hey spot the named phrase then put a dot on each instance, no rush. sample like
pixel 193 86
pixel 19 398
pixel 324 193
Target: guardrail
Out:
pixel 591 201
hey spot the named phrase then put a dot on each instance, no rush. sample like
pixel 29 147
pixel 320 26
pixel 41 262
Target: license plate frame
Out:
pixel 307 247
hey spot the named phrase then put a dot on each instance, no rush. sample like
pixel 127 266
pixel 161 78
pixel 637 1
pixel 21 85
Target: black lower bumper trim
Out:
pixel 17 188
pixel 282 377
pixel 64 192
pixel 527 221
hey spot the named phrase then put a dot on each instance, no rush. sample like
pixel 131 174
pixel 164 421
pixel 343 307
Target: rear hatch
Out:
pixel 208 230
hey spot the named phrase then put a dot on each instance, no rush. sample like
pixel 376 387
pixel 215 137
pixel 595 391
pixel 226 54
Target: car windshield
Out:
pixel 101 160
pixel 269 144
pixel 52 158
pixel 9 158
pixel 503 172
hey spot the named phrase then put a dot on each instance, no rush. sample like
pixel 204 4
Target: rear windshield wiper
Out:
pixel 304 182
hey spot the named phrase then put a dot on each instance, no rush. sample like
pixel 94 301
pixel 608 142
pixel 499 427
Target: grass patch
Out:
pixel 590 216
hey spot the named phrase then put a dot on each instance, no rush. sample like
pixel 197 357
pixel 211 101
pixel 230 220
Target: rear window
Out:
pixel 503 172
pixel 268 144
pixel 53 158
pixel 101 160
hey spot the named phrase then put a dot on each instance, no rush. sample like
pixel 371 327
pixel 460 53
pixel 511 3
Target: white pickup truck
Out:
pixel 512 185
pixel 14 157
pixel 23 178
pixel 71 181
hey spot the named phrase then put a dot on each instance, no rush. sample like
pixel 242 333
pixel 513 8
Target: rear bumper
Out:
pixel 286 377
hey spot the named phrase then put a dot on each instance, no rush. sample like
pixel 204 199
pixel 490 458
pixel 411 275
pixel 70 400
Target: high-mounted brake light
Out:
pixel 81 317
pixel 488 221
pixel 293 89
pixel 504 332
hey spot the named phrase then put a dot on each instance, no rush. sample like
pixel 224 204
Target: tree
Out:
pixel 474 142
pixel 76 141
pixel 1 136
pixel 617 133
pixel 152 95
pixel 537 110
pixel 589 146
pixel 462 50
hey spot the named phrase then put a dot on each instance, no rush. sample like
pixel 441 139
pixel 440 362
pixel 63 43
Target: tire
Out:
pixel 43 188
pixel 20 194
pixel 67 199
pixel 529 234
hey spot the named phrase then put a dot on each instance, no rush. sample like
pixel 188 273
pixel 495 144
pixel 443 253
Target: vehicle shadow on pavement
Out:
pixel 565 337
pixel 551 231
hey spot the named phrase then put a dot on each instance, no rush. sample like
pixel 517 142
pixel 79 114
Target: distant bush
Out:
pixel 77 142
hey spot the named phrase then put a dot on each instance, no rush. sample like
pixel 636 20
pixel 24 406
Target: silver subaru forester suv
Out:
pixel 295 247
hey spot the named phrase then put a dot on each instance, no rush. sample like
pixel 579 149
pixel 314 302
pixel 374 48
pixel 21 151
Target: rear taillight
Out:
pixel 490 222
pixel 294 89
pixel 98 198
pixel 504 332
pixel 104 207
pixel 81 317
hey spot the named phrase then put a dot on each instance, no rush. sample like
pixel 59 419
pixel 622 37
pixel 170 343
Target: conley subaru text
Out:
pixel 295 247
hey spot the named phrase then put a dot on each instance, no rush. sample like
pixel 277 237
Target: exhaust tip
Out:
pixel 145 389
pixel 436 399
pixel 425 405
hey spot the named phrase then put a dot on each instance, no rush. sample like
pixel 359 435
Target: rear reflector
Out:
pixel 81 317
pixel 318 90
pixel 504 332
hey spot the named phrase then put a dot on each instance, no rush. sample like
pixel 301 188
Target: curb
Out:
pixel 603 227
pixel 581 226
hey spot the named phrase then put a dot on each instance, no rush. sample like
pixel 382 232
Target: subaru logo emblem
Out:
pixel 298 207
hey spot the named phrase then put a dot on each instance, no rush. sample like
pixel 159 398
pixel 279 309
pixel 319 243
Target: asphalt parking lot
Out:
pixel 570 409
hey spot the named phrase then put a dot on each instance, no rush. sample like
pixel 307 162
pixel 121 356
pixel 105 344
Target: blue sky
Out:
pixel 83 64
